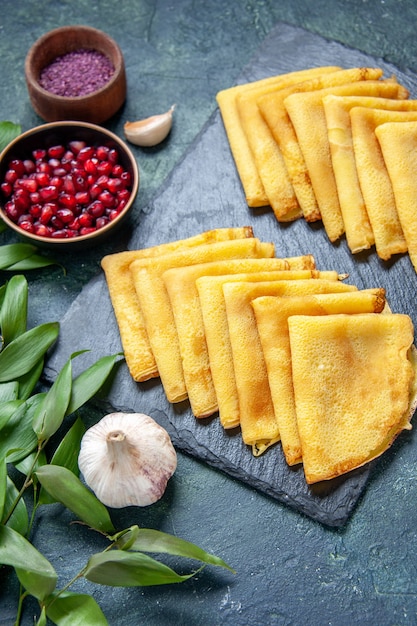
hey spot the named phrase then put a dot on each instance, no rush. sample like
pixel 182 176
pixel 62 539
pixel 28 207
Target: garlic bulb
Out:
pixel 150 131
pixel 127 459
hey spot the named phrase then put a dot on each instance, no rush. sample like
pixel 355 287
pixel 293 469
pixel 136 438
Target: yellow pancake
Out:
pixel 398 141
pixel 352 384
pixel 359 233
pixel 272 315
pixel 126 307
pixel 156 307
pixel 257 416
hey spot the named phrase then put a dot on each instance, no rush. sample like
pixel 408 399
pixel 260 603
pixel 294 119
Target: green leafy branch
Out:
pixel 29 418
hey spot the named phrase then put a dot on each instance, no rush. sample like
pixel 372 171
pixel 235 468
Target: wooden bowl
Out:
pixel 61 133
pixel 95 107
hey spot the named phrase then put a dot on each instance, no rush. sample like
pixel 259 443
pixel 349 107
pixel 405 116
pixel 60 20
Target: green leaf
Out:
pixel 42 618
pixel 130 569
pixel 75 609
pixel 17 436
pixel 34 571
pixel 148 540
pixel 19 520
pixel 25 466
pixel 8 409
pixel 51 412
pixel 24 352
pixel 9 391
pixel 32 262
pixel 8 132
pixel 88 383
pixel 28 381
pixel 66 455
pixel 14 309
pixel 14 253
pixel 67 488
pixel 3 485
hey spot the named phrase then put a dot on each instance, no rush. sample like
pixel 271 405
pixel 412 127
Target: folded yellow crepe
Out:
pixel 353 382
pixel 307 116
pixel 272 109
pixel 126 307
pixel 156 308
pixel 398 141
pixel 239 146
pixel 374 179
pixel 272 315
pixel 213 310
pixel 359 233
pixel 258 422
pixel 180 283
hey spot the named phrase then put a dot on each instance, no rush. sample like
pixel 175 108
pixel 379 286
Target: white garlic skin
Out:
pixel 149 131
pixel 127 459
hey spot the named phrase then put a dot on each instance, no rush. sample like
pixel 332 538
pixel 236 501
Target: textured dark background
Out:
pixel 290 569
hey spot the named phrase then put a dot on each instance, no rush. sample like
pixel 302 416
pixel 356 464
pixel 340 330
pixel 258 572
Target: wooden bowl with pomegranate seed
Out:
pixel 76 73
pixel 67 185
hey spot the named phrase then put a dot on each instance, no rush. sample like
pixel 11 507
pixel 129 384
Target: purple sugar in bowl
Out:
pixel 76 73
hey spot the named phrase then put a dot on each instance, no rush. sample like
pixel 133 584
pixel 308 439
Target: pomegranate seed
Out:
pixel 49 193
pixel 113 156
pixel 75 224
pixel 57 222
pixel 22 199
pixel 69 185
pixel 81 183
pixel 42 178
pixel 39 154
pixel 85 220
pixel 11 176
pixel 107 198
pixel 126 178
pixel 102 181
pixel 46 214
pixel 113 214
pixel 26 217
pixel 26 225
pixel 90 166
pixel 6 189
pixel 114 185
pixel 96 208
pixel 67 200
pixel 65 215
pixel 11 211
pixel 35 197
pixel 101 221
pixel 36 210
pixel 102 153
pixel 56 152
pixel 95 191
pixel 104 168
pixel 30 167
pixel 42 230
pixel 82 197
pixel 76 145
pixel 29 184
pixel 60 171
pixel 18 166
pixel 85 153
pixel 123 194
pixel 117 170
pixel 45 167
pixel 87 230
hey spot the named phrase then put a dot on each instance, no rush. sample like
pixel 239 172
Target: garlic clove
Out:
pixel 149 131
pixel 127 459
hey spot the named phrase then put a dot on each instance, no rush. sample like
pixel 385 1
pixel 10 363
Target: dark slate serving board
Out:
pixel 204 192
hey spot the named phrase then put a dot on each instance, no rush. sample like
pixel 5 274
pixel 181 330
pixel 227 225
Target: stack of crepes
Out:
pixel 331 144
pixel 277 349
